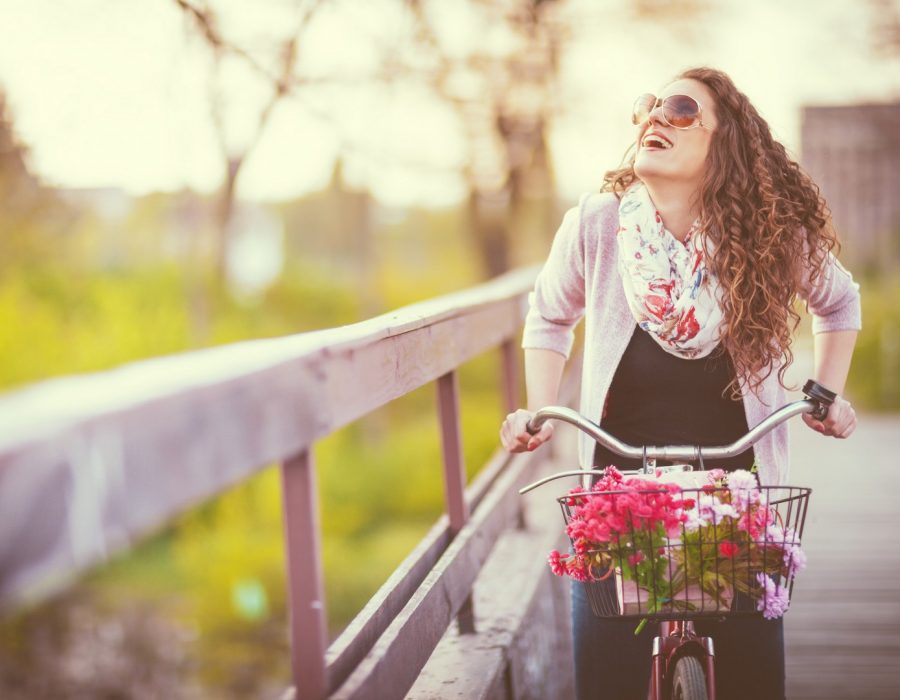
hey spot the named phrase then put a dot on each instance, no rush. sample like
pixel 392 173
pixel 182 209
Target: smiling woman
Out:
pixel 686 267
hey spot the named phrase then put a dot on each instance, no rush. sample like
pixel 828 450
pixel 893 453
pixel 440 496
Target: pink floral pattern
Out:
pixel 669 288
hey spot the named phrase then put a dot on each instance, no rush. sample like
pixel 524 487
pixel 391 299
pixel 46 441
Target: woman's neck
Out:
pixel 675 205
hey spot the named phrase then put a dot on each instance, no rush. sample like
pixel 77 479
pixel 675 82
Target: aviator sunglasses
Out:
pixel 679 111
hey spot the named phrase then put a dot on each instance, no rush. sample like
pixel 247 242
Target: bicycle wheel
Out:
pixel 689 680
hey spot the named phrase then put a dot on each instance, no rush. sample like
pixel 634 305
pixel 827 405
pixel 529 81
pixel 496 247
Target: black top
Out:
pixel 657 398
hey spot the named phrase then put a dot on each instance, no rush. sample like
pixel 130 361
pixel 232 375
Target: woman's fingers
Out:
pixel 840 422
pixel 540 437
pixel 514 435
pixel 510 437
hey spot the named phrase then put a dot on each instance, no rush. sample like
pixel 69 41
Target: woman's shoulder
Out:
pixel 599 216
pixel 599 210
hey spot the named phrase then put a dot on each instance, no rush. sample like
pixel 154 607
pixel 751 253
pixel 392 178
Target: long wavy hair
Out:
pixel 771 229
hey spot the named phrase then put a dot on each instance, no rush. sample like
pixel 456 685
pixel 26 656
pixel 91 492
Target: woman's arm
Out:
pixel 543 374
pixel 555 307
pixel 833 352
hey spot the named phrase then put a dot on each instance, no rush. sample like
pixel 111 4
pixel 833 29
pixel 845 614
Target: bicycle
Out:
pixel 683 663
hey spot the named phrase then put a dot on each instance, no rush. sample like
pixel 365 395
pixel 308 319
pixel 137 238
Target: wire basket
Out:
pixel 732 553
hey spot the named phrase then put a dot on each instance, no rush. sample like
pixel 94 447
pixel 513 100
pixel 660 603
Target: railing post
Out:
pixel 509 353
pixel 509 361
pixel 454 473
pixel 309 638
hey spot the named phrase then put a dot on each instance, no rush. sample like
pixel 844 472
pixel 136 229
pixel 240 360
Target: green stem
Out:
pixel 641 625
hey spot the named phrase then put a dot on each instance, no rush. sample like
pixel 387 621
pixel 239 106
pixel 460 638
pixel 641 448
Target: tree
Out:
pixel 506 118
pixel 31 216
pixel 280 77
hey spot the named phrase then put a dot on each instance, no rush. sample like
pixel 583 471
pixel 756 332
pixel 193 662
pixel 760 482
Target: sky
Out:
pixel 116 93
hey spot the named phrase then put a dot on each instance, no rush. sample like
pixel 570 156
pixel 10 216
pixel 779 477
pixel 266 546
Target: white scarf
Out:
pixel 670 290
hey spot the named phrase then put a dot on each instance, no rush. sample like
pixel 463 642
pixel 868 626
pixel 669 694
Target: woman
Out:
pixel 686 267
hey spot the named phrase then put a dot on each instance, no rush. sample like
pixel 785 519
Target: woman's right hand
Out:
pixel 514 434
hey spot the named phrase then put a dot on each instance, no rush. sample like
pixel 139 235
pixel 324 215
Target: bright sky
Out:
pixel 115 93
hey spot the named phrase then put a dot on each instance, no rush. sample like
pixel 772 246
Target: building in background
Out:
pixel 853 153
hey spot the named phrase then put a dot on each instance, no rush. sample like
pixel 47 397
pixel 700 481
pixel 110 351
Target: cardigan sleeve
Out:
pixel 833 299
pixel 557 303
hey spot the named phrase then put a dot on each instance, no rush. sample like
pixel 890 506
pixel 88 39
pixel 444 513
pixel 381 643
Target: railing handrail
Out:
pixel 265 400
pixel 49 408
pixel 89 464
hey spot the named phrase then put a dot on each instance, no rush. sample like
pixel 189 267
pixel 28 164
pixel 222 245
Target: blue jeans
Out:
pixel 611 663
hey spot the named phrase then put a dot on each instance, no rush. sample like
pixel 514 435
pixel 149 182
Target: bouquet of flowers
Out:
pixel 655 546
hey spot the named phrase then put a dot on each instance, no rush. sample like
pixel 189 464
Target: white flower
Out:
pixel 741 479
pixel 744 491
pixel 694 522
pixel 712 510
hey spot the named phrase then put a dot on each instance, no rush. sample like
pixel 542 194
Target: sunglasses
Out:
pixel 679 111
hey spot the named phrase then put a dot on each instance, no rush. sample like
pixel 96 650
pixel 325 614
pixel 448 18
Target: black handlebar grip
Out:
pixel 825 397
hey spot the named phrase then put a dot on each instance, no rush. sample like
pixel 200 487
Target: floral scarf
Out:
pixel 669 288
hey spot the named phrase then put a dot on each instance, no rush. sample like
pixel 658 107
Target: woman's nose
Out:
pixel 656 114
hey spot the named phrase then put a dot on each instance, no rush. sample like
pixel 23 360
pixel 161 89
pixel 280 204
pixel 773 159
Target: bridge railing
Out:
pixel 89 464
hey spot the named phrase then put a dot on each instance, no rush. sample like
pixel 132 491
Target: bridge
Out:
pixel 473 611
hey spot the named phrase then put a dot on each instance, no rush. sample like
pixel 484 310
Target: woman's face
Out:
pixel 685 162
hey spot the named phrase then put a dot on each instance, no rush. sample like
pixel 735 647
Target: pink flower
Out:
pixel 775 599
pixel 715 475
pixel 794 560
pixel 728 549
pixel 557 566
pixel 744 491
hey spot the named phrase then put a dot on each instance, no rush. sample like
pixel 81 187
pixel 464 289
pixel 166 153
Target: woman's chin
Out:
pixel 648 171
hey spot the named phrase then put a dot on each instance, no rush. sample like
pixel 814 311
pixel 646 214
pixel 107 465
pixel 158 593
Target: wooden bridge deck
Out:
pixel 843 629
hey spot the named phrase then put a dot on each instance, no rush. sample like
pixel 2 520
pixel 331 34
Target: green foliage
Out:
pixel 391 462
pixel 874 381
pixel 229 559
pixel 56 321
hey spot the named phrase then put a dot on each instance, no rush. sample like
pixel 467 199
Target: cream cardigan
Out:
pixel 580 279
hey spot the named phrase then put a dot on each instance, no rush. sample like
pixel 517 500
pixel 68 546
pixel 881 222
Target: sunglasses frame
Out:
pixel 661 102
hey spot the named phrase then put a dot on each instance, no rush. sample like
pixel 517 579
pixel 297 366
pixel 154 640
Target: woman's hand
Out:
pixel 840 421
pixel 515 436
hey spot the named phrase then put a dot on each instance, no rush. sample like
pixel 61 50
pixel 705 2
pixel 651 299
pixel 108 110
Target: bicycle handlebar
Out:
pixel 817 402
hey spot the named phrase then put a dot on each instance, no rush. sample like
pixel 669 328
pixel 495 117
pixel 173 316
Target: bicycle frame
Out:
pixel 677 637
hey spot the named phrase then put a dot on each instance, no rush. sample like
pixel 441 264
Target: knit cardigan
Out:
pixel 580 279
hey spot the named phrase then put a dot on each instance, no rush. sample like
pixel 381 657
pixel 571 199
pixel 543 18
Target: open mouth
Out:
pixel 656 142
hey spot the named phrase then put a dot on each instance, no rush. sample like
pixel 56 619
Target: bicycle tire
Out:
pixel 689 680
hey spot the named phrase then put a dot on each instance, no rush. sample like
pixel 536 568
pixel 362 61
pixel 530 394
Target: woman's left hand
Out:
pixel 840 421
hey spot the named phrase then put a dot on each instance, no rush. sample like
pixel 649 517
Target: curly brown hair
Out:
pixel 770 226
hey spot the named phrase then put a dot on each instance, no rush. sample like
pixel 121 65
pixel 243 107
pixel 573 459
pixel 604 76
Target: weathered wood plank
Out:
pixel 306 590
pixel 352 645
pixel 392 666
pixel 842 634
pixel 521 647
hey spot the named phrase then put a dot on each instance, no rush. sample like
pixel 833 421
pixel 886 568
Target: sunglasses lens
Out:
pixel 681 111
pixel 643 105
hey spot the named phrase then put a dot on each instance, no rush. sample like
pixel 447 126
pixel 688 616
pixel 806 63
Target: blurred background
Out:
pixel 176 174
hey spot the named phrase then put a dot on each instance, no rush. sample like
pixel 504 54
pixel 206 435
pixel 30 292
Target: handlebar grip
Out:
pixel 824 397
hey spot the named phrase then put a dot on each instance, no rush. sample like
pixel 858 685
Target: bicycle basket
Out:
pixel 668 552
